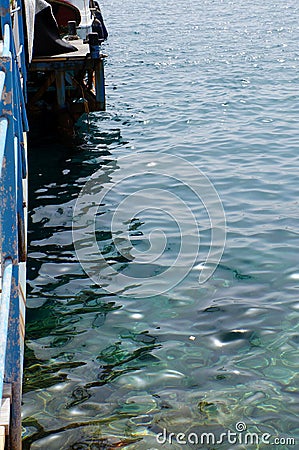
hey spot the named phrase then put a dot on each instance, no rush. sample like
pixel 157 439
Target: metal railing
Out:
pixel 13 125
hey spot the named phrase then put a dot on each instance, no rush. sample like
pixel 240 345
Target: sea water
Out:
pixel 201 100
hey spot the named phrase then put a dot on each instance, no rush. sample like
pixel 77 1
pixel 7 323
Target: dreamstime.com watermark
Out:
pixel 155 186
pixel 238 437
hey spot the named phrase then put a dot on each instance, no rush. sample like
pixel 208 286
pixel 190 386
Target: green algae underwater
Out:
pixel 102 370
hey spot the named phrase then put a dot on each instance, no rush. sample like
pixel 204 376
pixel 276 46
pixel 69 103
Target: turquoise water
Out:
pixel 214 83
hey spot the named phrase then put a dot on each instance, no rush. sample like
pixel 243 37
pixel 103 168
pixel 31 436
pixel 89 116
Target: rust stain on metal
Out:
pixel 5 61
pixel 4 11
pixel 6 112
pixel 6 97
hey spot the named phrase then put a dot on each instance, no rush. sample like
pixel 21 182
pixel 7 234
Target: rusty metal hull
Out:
pixel 13 221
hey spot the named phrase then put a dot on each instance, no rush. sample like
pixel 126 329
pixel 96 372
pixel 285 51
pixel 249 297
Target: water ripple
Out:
pixel 215 83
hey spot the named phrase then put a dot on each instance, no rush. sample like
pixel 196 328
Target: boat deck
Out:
pixel 82 51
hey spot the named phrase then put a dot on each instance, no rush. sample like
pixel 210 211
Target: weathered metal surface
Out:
pixel 22 56
pixel 13 170
pixel 3 132
pixel 4 314
pixel 14 362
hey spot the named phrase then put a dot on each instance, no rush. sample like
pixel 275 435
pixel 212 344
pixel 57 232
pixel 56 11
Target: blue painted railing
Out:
pixel 13 125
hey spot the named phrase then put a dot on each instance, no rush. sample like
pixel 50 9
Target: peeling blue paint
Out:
pixel 13 123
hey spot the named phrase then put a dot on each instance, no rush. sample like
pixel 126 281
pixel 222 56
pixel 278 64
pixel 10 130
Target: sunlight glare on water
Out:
pixel 215 83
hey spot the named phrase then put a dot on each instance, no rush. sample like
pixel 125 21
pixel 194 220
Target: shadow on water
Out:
pixel 62 307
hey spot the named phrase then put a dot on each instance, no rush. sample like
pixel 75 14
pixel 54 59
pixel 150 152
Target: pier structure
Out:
pixel 67 85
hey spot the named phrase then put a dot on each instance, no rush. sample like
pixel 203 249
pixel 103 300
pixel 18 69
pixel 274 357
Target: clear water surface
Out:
pixel 214 82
